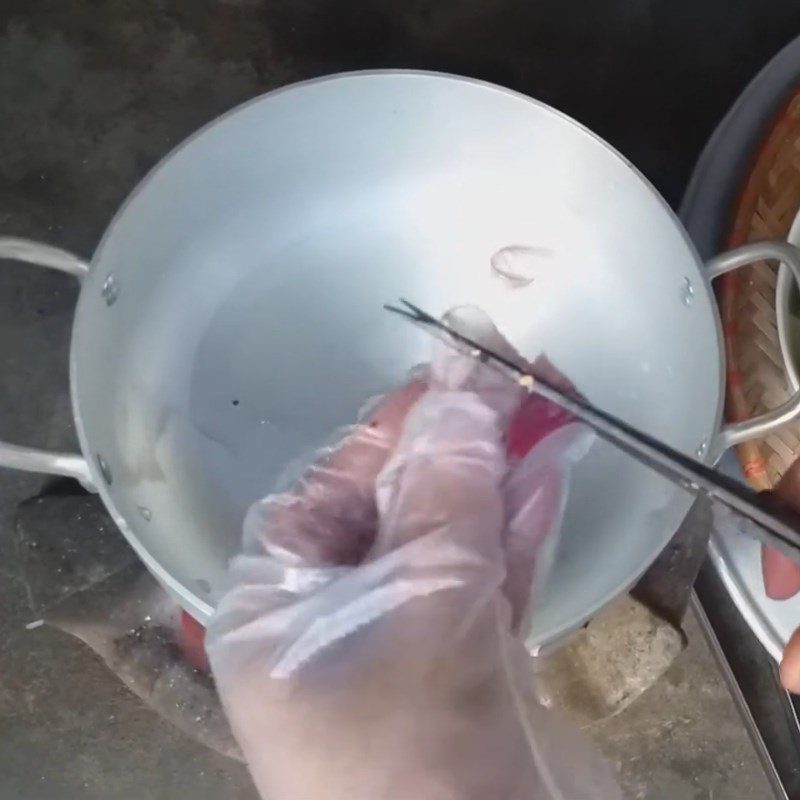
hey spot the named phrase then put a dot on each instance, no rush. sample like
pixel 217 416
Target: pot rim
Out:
pixel 198 607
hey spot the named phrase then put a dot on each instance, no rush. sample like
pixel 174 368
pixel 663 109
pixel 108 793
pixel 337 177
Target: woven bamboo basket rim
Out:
pixel 756 379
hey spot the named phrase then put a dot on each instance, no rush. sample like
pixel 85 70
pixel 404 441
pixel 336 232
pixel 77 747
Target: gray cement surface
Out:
pixel 94 92
pixel 683 738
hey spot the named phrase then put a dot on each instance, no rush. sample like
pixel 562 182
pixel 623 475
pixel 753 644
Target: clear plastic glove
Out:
pixel 366 650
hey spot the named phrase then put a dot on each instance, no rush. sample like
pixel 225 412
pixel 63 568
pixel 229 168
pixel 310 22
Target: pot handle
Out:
pixel 735 433
pixel 29 458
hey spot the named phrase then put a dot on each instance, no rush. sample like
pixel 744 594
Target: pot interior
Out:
pixel 251 268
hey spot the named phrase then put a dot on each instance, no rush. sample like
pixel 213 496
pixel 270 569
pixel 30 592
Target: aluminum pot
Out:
pixel 231 315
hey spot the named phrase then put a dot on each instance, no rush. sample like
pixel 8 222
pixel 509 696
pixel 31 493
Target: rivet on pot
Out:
pixel 110 289
pixel 105 470
pixel 687 292
pixel 145 512
pixel 702 449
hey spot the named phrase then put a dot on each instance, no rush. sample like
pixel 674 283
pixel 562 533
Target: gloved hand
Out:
pixel 366 649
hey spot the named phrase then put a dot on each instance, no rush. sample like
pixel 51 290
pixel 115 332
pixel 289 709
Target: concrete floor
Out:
pixel 94 92
pixel 683 739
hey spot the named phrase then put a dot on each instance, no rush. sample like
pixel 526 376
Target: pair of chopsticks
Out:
pixel 758 515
